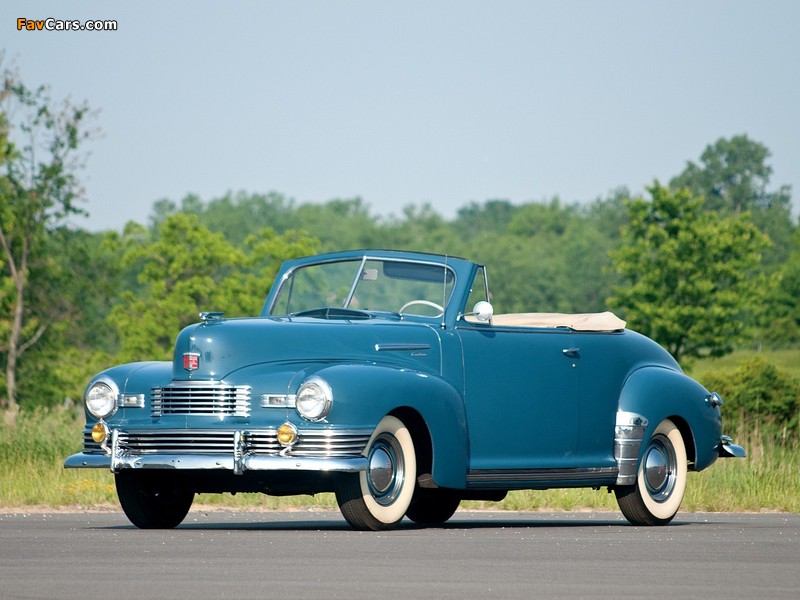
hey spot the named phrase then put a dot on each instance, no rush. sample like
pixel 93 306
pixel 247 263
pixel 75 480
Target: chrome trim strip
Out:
pixel 628 437
pixel 540 475
pixel 400 347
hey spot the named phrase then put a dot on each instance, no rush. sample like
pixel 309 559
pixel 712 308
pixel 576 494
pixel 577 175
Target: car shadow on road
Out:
pixel 280 522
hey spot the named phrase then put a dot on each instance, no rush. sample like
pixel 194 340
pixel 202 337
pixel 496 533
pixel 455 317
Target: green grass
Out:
pixel 787 360
pixel 32 474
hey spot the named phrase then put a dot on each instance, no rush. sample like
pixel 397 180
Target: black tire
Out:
pixel 432 506
pixel 378 498
pixel 152 499
pixel 661 480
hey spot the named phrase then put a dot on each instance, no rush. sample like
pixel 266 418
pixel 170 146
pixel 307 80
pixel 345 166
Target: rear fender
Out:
pixel 658 393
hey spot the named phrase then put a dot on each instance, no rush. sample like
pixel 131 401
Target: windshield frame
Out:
pixel 449 281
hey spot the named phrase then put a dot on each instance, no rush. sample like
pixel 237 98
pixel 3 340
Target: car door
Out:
pixel 522 403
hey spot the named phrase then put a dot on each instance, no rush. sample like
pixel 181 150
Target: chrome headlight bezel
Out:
pixel 101 397
pixel 314 399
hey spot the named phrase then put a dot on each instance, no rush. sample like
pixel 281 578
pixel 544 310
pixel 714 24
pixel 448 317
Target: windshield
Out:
pixel 371 285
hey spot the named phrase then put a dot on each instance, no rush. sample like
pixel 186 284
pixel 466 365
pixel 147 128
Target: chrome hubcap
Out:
pixel 659 468
pixel 386 469
pixel 381 470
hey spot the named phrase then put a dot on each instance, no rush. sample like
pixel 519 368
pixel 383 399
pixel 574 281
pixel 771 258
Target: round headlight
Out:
pixel 101 399
pixel 314 399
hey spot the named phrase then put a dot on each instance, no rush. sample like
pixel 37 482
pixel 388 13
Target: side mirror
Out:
pixel 483 311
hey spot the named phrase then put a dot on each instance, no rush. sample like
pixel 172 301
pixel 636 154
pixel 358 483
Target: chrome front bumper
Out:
pixel 236 451
pixel 204 462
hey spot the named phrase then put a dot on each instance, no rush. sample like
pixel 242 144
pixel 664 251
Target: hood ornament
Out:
pixel 210 316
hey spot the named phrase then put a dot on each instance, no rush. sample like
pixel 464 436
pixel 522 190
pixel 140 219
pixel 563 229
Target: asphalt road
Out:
pixel 475 555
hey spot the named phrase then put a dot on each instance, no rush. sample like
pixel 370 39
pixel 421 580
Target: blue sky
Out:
pixel 406 103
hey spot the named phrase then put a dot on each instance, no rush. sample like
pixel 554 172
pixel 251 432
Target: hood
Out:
pixel 213 350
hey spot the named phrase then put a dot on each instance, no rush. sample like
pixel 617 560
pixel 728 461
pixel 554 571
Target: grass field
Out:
pixel 32 475
pixel 787 360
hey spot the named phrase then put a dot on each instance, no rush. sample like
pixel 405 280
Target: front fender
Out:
pixel 659 393
pixel 365 393
pixel 133 379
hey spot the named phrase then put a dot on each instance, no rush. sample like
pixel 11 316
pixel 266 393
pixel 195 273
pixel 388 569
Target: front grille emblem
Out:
pixel 191 361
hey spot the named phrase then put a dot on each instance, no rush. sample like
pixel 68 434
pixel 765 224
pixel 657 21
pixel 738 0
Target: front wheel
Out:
pixel 661 481
pixel 379 497
pixel 152 499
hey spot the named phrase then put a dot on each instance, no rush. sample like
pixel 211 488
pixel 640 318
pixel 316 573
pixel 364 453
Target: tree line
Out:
pixel 705 262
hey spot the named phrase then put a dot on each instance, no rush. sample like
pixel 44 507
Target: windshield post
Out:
pixel 356 279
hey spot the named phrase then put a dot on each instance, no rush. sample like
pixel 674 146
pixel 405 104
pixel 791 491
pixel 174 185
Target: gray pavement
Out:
pixel 475 555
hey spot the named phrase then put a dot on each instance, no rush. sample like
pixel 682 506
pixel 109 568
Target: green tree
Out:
pixel 181 272
pixel 733 176
pixel 781 315
pixel 687 274
pixel 184 268
pixel 420 228
pixel 264 253
pixel 486 219
pixel 39 190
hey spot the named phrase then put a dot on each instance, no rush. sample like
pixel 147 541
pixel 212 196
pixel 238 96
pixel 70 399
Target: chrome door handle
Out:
pixel 571 352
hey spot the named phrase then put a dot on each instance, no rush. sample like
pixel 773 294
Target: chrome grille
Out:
pixel 201 398
pixel 178 441
pixel 182 441
pixel 311 443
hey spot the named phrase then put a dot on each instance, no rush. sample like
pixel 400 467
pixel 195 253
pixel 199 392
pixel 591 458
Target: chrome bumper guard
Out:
pixel 727 449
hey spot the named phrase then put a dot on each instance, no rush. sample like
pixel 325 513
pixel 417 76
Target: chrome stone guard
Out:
pixel 239 461
pixel 629 434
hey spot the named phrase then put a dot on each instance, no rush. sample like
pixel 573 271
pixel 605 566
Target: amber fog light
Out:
pixel 99 432
pixel 287 434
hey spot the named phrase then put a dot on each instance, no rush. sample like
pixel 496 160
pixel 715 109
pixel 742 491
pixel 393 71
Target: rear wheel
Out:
pixel 433 506
pixel 380 496
pixel 152 499
pixel 661 481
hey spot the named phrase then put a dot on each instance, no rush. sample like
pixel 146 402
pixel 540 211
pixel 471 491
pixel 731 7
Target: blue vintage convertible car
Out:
pixel 386 377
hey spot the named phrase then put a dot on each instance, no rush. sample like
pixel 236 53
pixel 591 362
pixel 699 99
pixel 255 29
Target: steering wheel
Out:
pixel 424 303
